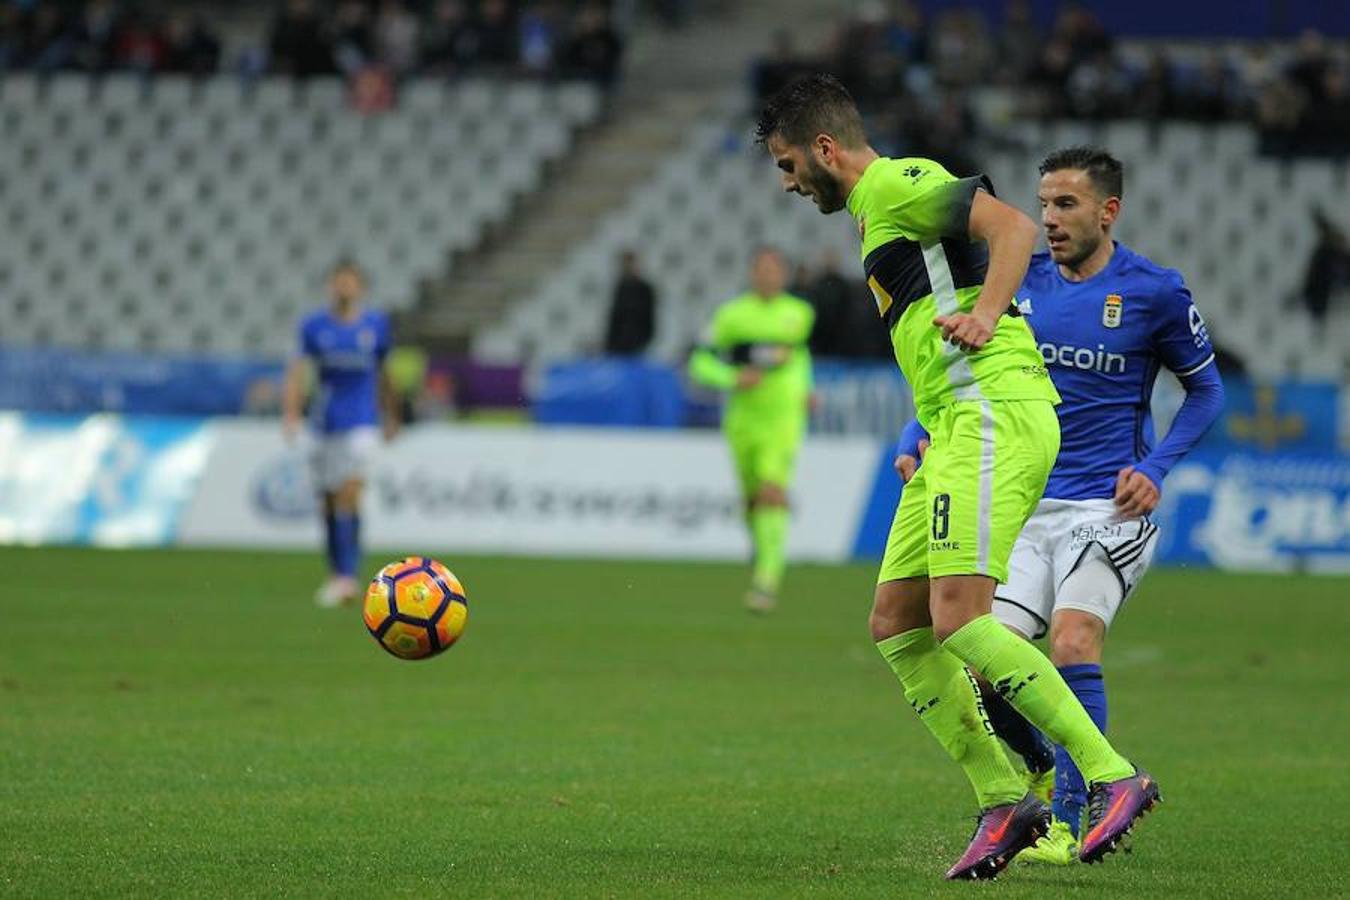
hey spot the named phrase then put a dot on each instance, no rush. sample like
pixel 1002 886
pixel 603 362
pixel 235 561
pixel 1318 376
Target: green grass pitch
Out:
pixel 188 723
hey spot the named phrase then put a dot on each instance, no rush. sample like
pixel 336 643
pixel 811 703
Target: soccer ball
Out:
pixel 415 608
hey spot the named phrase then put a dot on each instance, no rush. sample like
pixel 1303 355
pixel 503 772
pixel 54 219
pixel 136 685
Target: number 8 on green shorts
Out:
pixel 981 478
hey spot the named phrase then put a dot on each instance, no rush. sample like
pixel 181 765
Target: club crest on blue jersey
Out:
pixel 1112 310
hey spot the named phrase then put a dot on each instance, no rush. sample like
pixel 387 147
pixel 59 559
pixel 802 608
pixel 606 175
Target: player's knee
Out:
pixel 771 495
pixel 958 600
pixel 347 499
pixel 1077 639
pixel 897 607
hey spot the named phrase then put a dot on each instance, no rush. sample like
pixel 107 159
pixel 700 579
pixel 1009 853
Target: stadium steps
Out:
pixel 673 81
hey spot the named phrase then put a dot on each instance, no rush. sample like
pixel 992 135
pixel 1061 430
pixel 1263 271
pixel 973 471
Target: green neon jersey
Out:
pixel 769 335
pixel 913 216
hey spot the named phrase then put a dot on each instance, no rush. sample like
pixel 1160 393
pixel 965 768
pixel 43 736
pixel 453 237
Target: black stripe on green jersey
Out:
pixel 759 354
pixel 898 266
pixel 900 270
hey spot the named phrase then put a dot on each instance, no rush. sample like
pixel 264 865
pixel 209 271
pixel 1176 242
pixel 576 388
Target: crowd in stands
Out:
pixel 104 36
pixel 447 37
pixel 545 38
pixel 914 75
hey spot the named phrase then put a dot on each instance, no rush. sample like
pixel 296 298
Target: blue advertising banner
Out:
pixel 97 480
pixel 1255 512
pixel 55 380
pixel 1278 417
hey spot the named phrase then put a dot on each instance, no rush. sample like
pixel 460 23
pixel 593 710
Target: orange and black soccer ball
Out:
pixel 415 608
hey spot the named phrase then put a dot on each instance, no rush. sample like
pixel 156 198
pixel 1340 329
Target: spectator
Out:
pixel 1308 71
pixel 140 47
pixel 1326 127
pixel 632 312
pixel 539 25
pixel 1017 46
pixel 1155 94
pixel 497 44
pixel 830 294
pixel 397 37
pixel 298 45
pixel 1210 94
pixel 94 39
pixel 450 42
pixel 595 49
pixel 189 46
pixel 781 66
pixel 353 38
pixel 1328 267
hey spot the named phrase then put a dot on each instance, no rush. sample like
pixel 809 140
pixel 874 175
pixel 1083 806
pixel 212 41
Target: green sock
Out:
pixel 769 526
pixel 1025 678
pixel 944 695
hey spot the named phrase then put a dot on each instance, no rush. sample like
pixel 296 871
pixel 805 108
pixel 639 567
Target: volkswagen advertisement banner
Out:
pixel 569 491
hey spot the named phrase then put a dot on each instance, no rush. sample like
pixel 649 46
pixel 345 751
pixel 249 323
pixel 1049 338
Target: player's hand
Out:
pixel 290 429
pixel 1136 494
pixel 748 378
pixel 906 465
pixel 391 429
pixel 969 331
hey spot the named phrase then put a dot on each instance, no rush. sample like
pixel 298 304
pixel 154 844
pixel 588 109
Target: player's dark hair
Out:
pixel 1103 170
pixel 808 106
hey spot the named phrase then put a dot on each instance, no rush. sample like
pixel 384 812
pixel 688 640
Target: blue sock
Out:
pixel 347 528
pixel 1085 680
pixel 330 537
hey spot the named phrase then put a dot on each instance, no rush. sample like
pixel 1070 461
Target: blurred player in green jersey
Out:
pixel 755 349
pixel 943 258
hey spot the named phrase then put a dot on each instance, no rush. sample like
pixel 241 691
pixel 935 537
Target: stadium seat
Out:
pixel 1181 208
pixel 178 199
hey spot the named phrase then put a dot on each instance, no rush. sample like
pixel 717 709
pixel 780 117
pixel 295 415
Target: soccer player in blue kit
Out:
pixel 1106 320
pixel 347 345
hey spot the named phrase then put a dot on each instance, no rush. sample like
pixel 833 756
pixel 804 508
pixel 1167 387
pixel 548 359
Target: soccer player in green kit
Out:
pixel 943 258
pixel 755 348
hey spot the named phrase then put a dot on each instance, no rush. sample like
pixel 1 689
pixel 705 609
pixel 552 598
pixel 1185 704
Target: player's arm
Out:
pixel 293 395
pixel 708 368
pixel 391 410
pixel 1182 343
pixel 1011 237
pixel 391 413
pixel 909 450
pixel 296 380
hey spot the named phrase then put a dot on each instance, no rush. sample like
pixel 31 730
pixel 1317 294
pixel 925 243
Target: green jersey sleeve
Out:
pixel 706 365
pixel 913 199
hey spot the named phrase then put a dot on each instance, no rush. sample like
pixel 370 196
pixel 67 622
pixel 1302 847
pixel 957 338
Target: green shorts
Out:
pixel 764 456
pixel 980 480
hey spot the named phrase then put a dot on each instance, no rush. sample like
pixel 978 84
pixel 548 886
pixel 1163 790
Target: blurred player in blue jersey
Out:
pixel 346 344
pixel 1106 320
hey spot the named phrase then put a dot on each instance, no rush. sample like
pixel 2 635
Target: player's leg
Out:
pixel 347 524
pixel 936 684
pixel 1095 581
pixel 1023 604
pixel 769 516
pixel 995 466
pixel 744 446
pixel 346 472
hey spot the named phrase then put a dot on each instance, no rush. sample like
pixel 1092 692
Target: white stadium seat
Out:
pixel 175 214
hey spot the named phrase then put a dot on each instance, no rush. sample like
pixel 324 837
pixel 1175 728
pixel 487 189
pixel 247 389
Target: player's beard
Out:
pixel 828 192
pixel 1079 252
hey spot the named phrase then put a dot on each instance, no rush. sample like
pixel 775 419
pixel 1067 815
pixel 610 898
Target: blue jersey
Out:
pixel 348 357
pixel 1103 340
